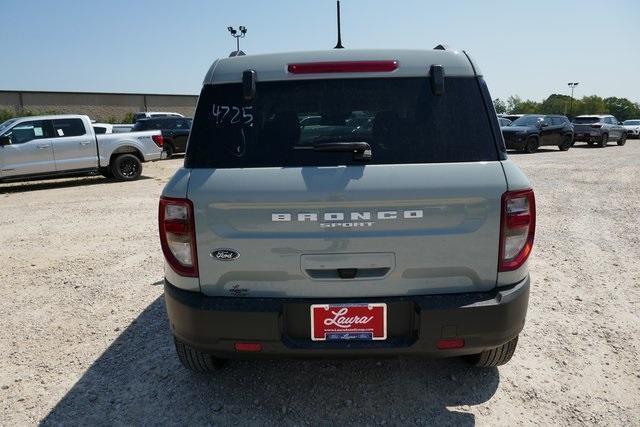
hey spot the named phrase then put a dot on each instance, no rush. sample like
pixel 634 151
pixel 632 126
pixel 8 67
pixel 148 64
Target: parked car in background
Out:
pixel 175 131
pixel 121 128
pixel 148 114
pixel 504 122
pixel 46 146
pixel 512 117
pixel 633 128
pixel 408 239
pixel 103 128
pixel 531 131
pixel 599 129
pixel 310 121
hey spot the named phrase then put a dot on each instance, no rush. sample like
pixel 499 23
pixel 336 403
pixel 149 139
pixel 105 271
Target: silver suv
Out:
pixel 391 224
pixel 599 129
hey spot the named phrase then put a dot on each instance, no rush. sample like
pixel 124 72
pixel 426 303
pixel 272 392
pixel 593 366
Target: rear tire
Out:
pixel 195 360
pixel 566 143
pixel 126 167
pixel 604 140
pixel 494 357
pixel 623 139
pixel 532 144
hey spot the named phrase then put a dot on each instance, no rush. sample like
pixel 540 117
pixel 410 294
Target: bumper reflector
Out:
pixel 248 346
pixel 450 343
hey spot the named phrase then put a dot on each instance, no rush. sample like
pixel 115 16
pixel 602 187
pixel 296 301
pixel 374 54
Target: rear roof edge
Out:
pixel 273 67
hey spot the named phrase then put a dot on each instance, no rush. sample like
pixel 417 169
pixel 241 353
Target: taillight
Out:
pixel 517 228
pixel 178 236
pixel 158 139
pixel 342 67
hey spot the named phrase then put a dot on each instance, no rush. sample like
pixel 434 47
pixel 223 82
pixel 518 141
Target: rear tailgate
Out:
pixel 349 231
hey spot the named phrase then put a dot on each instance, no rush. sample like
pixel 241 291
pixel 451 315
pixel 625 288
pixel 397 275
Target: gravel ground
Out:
pixel 85 338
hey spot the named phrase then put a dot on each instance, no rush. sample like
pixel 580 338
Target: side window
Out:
pixel 614 120
pixel 99 130
pixel 548 121
pixel 68 127
pixel 557 121
pixel 608 120
pixel 28 131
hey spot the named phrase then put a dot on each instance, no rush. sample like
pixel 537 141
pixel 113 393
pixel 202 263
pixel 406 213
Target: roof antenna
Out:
pixel 339 44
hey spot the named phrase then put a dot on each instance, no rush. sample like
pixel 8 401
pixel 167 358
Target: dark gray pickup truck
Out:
pixel 391 224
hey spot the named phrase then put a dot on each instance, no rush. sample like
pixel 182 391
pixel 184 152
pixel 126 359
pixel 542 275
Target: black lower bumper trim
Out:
pixel 282 325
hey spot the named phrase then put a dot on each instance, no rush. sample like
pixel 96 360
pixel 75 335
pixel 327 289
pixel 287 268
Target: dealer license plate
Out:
pixel 335 322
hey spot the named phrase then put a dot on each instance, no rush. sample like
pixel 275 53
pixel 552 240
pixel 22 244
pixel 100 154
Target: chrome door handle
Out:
pixel 84 143
pixel 42 147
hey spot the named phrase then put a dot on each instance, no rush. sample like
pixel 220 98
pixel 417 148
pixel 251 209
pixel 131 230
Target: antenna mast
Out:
pixel 339 44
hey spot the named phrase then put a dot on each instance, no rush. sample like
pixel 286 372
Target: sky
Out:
pixel 525 48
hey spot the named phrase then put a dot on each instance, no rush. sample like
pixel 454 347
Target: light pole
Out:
pixel 242 31
pixel 572 86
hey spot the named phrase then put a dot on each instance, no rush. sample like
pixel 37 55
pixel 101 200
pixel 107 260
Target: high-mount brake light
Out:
pixel 177 235
pixel 158 139
pixel 343 67
pixel 517 228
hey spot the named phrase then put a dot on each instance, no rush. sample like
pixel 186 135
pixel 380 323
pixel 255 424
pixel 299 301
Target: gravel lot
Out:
pixel 85 338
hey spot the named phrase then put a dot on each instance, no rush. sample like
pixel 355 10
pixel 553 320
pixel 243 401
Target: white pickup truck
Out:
pixel 47 146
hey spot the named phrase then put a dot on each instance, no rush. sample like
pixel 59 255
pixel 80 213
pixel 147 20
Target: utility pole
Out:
pixel 339 44
pixel 242 31
pixel 572 86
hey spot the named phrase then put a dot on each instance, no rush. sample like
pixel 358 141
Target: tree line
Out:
pixel 621 108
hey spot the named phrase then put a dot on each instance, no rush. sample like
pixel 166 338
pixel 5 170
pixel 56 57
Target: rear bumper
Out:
pixel 152 157
pixel 587 136
pixel 415 324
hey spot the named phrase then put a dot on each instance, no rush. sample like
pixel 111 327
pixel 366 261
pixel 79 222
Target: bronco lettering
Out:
pixel 340 216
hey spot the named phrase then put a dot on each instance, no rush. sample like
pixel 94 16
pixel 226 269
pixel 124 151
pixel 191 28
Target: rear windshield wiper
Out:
pixel 361 150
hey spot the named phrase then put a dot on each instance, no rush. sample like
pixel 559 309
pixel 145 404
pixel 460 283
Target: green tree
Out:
pixel 622 108
pixel 513 103
pixel 128 118
pixel 500 106
pixel 556 104
pixel 529 107
pixel 6 114
pixel 590 105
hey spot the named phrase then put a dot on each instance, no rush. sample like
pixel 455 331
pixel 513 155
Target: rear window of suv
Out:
pixel 586 120
pixel 400 118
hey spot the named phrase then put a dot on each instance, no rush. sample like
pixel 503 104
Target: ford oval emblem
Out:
pixel 225 254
